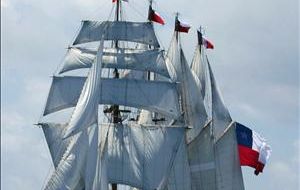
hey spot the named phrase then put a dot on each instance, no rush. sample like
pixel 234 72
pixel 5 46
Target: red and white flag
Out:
pixel 207 44
pixel 182 27
pixel 155 17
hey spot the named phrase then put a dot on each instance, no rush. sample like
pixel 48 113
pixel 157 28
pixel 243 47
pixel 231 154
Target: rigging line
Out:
pixel 101 6
pixel 137 11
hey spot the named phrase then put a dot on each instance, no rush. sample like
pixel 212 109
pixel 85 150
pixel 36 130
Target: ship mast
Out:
pixel 115 110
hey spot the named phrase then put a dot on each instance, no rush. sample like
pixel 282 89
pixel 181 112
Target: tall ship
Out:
pixel 141 117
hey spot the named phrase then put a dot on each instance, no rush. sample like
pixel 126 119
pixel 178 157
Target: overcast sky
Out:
pixel 255 61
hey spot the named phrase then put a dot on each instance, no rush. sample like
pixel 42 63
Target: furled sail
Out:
pixel 229 173
pixel 155 96
pixel 202 160
pixel 86 110
pixel 135 59
pixel 139 32
pixel 140 156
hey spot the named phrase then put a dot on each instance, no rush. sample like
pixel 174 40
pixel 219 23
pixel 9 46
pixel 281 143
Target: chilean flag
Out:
pixel 207 43
pixel 253 150
pixel 155 17
pixel 182 27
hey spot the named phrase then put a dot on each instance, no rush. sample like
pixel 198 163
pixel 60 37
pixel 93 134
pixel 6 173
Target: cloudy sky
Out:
pixel 256 64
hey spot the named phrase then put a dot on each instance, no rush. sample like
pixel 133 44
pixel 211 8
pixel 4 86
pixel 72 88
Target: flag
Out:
pixel 253 150
pixel 155 17
pixel 207 44
pixel 181 26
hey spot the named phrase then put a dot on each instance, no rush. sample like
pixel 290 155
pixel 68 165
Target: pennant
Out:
pixel 182 27
pixel 155 17
pixel 253 150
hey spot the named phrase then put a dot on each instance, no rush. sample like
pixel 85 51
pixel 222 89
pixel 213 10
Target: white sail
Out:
pixel 192 102
pixel 229 173
pixel 140 156
pixel 155 96
pixel 86 110
pixel 67 175
pixel 54 133
pixel 199 68
pixel 180 174
pixel 142 60
pixel 202 161
pixel 140 32
pixel 220 114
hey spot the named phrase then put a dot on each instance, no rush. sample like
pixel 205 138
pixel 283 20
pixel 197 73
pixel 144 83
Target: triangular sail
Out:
pixel 54 133
pixel 191 101
pixel 86 110
pixel 220 115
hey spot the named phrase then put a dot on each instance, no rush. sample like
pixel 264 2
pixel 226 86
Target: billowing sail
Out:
pixel 86 110
pixel 192 102
pixel 202 161
pixel 229 173
pixel 67 175
pixel 135 59
pixel 54 133
pixel 140 156
pixel 140 32
pixel 155 96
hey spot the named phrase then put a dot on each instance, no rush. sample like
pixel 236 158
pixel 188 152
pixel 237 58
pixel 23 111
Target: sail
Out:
pixel 180 175
pixel 54 133
pixel 139 32
pixel 192 102
pixel 199 68
pixel 229 173
pixel 155 96
pixel 67 175
pixel 142 60
pixel 202 161
pixel 220 115
pixel 142 157
pixel 86 110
